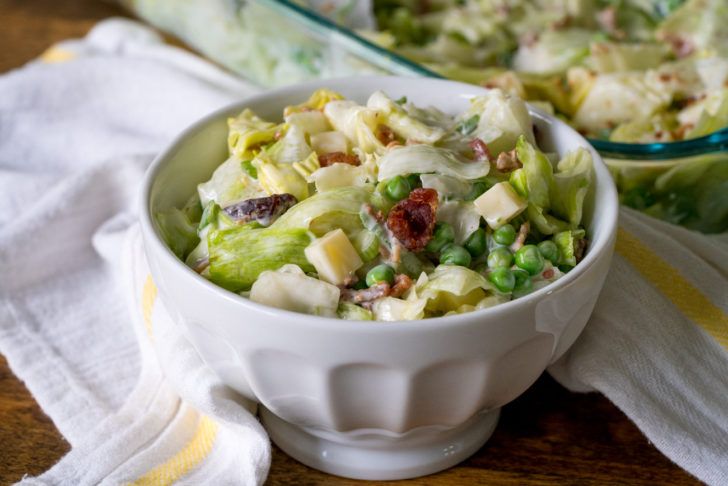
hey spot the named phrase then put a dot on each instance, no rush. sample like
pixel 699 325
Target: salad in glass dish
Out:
pixel 385 211
pixel 633 71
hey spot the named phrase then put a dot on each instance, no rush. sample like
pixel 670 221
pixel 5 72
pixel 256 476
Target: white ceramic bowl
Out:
pixel 373 400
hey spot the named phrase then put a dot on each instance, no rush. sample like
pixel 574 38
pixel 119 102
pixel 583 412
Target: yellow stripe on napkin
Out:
pixel 149 295
pixel 55 54
pixel 196 450
pixel 668 280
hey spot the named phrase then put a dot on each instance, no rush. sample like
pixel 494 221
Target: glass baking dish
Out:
pixel 279 42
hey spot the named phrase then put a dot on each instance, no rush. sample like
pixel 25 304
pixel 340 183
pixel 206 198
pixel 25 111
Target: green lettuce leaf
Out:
pixel 571 183
pixel 230 183
pixel 538 172
pixel 178 232
pixel 502 120
pixel 566 242
pixel 289 288
pixel 393 309
pixel 450 286
pixel 292 147
pixel 346 200
pixel 353 312
pixel 424 159
pixel 246 131
pixel 404 125
pixel 239 255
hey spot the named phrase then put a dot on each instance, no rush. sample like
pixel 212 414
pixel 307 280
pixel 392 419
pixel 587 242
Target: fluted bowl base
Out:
pixel 383 458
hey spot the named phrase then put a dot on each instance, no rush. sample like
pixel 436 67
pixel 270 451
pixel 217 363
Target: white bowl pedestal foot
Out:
pixel 373 457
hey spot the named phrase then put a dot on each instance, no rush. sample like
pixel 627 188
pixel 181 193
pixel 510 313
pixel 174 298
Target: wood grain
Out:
pixel 547 436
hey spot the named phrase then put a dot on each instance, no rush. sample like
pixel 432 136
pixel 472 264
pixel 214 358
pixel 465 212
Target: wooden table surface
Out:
pixel 547 436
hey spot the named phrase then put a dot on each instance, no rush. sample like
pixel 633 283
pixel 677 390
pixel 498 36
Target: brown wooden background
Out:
pixel 547 436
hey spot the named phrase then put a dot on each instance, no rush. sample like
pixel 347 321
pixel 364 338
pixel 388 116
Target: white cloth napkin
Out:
pixel 75 138
pixel 657 343
pixel 81 325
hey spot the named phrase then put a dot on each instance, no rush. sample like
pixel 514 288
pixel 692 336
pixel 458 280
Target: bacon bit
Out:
pixel 508 161
pixel 365 296
pixel 548 273
pixel 412 220
pixel 521 236
pixel 332 158
pixel 402 284
pixel 385 134
pixel 580 248
pixel 480 149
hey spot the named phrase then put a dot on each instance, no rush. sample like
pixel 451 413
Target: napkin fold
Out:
pixel 81 325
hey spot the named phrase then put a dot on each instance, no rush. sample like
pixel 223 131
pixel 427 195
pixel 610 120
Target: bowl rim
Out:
pixel 608 216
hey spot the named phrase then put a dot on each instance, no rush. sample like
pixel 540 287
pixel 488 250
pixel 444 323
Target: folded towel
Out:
pixel 657 343
pixel 75 138
pixel 81 325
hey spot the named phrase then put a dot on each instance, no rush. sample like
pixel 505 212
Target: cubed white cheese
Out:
pixel 334 257
pixel 327 142
pixel 500 204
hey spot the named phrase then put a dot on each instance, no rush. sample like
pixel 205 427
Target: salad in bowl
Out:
pixel 385 210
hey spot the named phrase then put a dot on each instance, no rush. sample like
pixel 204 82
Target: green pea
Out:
pixel 398 188
pixel 503 279
pixel 523 279
pixel 380 273
pixel 530 259
pixel 549 250
pixel 414 181
pixel 505 235
pixel 500 257
pixel 441 236
pixel 476 191
pixel 477 243
pixel 455 255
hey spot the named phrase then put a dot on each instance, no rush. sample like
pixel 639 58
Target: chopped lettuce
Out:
pixel 352 312
pixel 450 286
pixel 571 183
pixel 291 289
pixel 462 216
pixel 247 130
pixel 538 173
pixel 344 200
pixel 502 120
pixel 317 101
pixel 358 123
pixel 239 255
pixel 393 309
pixel 424 159
pixel 447 186
pixel 404 125
pixel 292 147
pixel 280 178
pixel 554 51
pixel 566 242
pixel 230 183
pixel 178 232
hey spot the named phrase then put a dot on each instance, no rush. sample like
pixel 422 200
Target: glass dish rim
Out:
pixel 397 64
